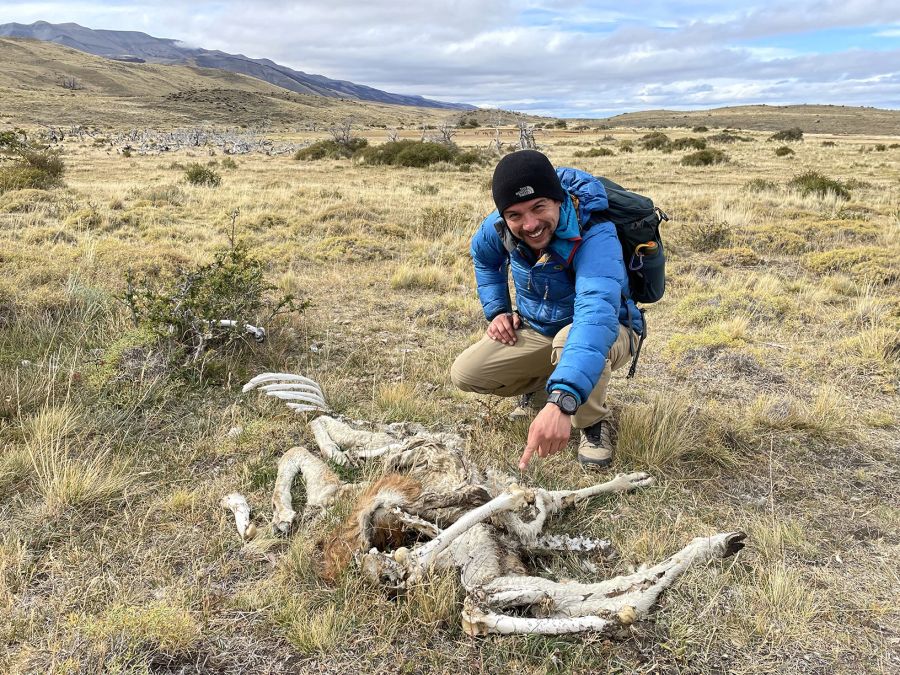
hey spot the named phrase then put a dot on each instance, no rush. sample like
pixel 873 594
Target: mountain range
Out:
pixel 137 47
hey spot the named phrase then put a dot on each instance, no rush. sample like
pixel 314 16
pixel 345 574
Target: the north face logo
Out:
pixel 525 191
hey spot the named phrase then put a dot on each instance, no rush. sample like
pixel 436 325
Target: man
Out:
pixel 573 323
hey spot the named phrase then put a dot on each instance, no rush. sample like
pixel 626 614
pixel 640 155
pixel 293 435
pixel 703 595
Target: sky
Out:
pixel 564 58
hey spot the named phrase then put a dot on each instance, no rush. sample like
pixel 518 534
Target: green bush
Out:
pixel 229 163
pixel 418 154
pixel 828 144
pixel 31 167
pixel 880 147
pixel 560 124
pixel 331 149
pixel 595 152
pixel 792 134
pixel 184 311
pixel 197 174
pixel 812 182
pixel 704 158
pixel 783 151
pixel 656 140
pixel 689 143
pixel 726 137
pixel 699 130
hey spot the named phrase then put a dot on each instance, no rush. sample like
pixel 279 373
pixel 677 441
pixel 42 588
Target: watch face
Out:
pixel 566 401
pixel 568 404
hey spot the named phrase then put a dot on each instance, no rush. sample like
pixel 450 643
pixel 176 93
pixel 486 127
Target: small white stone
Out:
pixel 234 432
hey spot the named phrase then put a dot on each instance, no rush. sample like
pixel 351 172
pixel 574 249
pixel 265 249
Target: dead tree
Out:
pixel 71 83
pixel 497 144
pixel 434 509
pixel 342 132
pixel 446 132
pixel 526 136
pixel 392 135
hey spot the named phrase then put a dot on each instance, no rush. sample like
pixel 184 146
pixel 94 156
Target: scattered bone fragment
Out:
pixel 621 600
pixel 258 333
pixel 322 486
pixel 237 504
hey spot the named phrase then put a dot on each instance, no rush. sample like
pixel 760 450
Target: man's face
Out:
pixel 534 221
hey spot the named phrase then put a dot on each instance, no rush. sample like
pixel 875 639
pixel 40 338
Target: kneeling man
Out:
pixel 573 323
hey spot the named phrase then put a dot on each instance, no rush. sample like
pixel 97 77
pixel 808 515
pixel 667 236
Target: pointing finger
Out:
pixel 526 457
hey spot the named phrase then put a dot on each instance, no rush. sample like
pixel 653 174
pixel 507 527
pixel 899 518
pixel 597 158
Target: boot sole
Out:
pixel 588 463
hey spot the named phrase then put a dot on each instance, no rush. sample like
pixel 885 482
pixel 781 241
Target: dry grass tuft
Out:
pixel 659 434
pixel 63 479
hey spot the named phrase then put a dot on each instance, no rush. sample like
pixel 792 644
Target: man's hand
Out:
pixel 503 328
pixel 547 435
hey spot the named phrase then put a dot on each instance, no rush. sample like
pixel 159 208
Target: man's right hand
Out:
pixel 503 328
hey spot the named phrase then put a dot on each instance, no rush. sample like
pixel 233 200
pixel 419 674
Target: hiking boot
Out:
pixel 595 450
pixel 529 405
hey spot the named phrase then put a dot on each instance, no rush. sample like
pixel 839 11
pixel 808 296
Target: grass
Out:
pixel 765 400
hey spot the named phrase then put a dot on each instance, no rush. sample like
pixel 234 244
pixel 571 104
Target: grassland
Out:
pixel 766 400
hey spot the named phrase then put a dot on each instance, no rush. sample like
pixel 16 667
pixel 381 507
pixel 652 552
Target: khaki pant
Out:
pixel 491 367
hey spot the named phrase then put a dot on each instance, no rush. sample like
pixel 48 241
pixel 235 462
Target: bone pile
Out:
pixel 434 510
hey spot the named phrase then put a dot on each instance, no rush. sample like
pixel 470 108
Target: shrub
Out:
pixel 197 174
pixel 880 147
pixel 792 134
pixel 727 137
pixel 705 237
pixel 229 163
pixel 331 149
pixel 689 143
pixel 761 185
pixel 699 130
pixel 424 154
pixel 828 144
pixel 704 158
pixel 33 168
pixel 783 151
pixel 560 124
pixel 626 146
pixel 417 154
pixel 864 264
pixel 812 182
pixel 655 140
pixel 595 152
pixel 184 311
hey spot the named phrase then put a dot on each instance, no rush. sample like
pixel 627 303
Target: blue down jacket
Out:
pixel 580 279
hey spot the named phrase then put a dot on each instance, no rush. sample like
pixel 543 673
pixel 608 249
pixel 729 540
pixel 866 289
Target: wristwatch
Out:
pixel 566 401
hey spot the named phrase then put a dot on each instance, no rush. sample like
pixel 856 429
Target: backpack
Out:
pixel 637 223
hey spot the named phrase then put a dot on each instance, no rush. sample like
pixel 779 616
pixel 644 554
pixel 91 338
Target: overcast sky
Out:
pixel 557 57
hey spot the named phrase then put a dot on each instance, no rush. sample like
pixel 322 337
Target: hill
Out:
pixel 47 84
pixel 827 119
pixel 135 46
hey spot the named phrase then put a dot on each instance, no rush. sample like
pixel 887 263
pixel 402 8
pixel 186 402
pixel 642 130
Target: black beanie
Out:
pixel 524 175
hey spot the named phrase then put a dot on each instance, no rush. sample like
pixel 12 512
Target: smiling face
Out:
pixel 534 221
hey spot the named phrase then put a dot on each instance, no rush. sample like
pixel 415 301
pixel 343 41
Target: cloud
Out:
pixel 552 56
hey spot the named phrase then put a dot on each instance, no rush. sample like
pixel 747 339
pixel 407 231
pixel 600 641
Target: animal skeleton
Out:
pixel 435 510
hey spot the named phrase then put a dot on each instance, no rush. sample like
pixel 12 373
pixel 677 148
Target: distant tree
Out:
pixel 342 132
pixel 71 83
pixel 526 136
